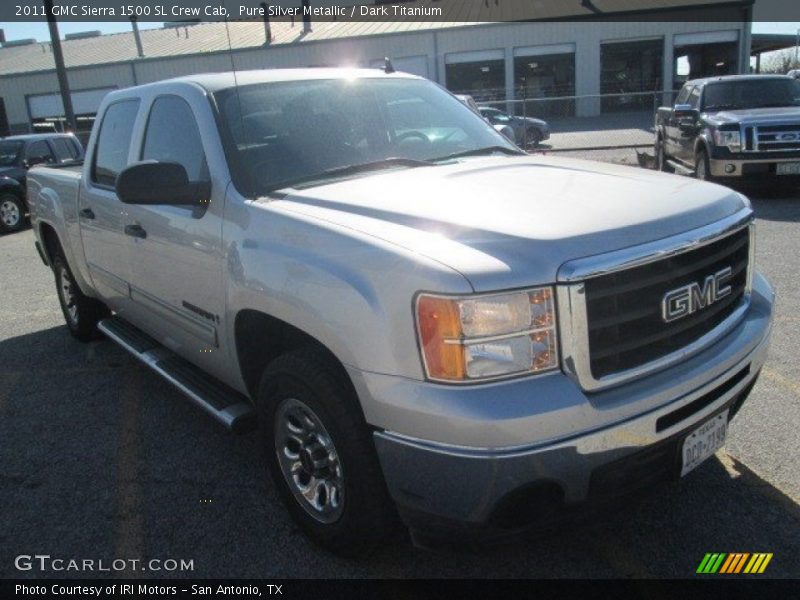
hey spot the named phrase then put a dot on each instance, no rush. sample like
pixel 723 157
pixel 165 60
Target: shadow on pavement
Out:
pixel 102 459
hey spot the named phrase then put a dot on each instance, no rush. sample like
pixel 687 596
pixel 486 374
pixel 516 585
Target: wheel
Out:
pixel 661 158
pixel 701 170
pixel 12 213
pixel 533 136
pixel 321 455
pixel 80 312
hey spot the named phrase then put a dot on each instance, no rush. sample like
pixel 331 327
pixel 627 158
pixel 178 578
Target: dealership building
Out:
pixel 618 55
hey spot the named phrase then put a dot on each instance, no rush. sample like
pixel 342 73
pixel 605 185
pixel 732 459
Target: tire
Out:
pixel 80 312
pixel 12 213
pixel 533 137
pixel 661 157
pixel 347 508
pixel 701 170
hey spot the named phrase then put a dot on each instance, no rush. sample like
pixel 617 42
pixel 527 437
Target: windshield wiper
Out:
pixel 480 152
pixel 348 170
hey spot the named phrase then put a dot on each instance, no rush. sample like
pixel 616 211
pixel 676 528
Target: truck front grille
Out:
pixel 624 309
pixel 772 138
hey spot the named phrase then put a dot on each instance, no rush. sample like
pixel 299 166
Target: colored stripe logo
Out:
pixel 734 563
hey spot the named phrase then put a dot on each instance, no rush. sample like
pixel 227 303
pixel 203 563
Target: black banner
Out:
pixel 417 589
pixel 402 10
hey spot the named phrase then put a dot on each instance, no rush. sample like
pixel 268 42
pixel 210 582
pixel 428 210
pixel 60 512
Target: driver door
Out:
pixel 176 258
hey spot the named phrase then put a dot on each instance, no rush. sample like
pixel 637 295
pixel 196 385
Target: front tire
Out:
pixel 320 454
pixel 12 213
pixel 81 312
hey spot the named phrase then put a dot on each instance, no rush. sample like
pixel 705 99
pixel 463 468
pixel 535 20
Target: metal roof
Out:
pixel 209 38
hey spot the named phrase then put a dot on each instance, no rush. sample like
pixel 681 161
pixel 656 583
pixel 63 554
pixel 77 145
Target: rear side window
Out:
pixel 684 95
pixel 65 150
pixel 113 142
pixel 694 97
pixel 172 136
pixel 39 152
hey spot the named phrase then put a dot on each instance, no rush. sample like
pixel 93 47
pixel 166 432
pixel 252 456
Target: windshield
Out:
pixel 751 93
pixel 288 132
pixel 9 152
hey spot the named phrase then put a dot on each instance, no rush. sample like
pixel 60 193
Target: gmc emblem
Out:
pixel 686 300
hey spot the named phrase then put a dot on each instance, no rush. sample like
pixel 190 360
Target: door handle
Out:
pixel 87 213
pixel 135 231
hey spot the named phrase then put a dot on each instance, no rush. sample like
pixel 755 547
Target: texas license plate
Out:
pixel 704 442
pixel 789 168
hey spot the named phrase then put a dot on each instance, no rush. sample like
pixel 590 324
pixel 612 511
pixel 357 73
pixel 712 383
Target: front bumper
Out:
pixel 748 167
pixel 460 454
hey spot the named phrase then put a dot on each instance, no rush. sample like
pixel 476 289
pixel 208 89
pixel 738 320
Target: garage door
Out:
pixel 84 102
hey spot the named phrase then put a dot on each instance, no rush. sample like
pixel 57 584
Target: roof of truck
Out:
pixel 213 82
pixel 706 80
pixel 32 137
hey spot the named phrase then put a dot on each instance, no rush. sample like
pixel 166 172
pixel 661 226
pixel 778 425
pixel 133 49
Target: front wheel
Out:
pixel 81 312
pixel 321 455
pixel 12 213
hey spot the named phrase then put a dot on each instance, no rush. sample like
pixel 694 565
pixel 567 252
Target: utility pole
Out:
pixel 61 71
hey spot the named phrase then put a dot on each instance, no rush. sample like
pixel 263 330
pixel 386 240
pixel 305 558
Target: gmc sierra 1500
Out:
pixel 418 315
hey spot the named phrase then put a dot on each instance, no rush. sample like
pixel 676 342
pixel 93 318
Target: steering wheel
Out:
pixel 412 134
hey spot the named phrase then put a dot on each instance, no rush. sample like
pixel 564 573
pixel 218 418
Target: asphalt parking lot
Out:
pixel 101 459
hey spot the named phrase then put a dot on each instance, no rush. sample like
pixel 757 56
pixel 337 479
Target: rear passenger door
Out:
pixel 100 213
pixel 176 286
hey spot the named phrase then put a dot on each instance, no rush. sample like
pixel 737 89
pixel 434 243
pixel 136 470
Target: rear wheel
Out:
pixel 321 455
pixel 80 312
pixel 12 213
pixel 701 168
pixel 661 157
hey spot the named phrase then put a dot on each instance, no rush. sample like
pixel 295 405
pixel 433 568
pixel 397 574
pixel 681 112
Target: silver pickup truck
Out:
pixel 421 319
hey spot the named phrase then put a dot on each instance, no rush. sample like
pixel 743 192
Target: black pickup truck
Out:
pixel 18 153
pixel 726 128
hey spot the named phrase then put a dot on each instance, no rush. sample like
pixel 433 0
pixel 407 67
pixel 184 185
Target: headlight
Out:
pixel 472 338
pixel 731 139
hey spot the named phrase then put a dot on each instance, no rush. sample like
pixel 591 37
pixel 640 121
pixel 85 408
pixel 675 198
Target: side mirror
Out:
pixel 160 183
pixel 687 125
pixel 682 111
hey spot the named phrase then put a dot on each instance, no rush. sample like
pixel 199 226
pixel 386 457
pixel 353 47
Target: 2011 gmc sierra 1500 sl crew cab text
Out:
pixel 421 318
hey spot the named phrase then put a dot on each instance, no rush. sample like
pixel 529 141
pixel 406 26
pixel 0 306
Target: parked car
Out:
pixel 527 130
pixel 727 128
pixel 502 128
pixel 422 319
pixel 795 73
pixel 19 153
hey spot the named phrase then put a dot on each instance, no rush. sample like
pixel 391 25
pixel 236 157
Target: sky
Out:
pixel 39 31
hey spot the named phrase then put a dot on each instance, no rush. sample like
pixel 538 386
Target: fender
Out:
pixel 9 184
pixel 704 140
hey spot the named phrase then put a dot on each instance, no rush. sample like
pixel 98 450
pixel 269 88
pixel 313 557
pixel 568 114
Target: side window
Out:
pixel 39 152
pixel 172 136
pixel 683 96
pixel 65 151
pixel 694 97
pixel 113 142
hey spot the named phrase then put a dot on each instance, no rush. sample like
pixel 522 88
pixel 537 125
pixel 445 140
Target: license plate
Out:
pixel 789 168
pixel 704 442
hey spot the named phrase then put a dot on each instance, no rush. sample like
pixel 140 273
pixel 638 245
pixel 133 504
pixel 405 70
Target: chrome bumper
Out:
pixel 583 432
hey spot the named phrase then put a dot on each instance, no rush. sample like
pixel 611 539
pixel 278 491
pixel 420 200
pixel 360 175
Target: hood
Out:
pixel 757 115
pixel 508 222
pixel 13 172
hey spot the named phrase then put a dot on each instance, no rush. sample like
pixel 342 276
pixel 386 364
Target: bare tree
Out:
pixel 780 62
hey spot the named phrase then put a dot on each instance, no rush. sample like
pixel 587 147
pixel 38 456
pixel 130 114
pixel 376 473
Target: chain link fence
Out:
pixel 612 127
